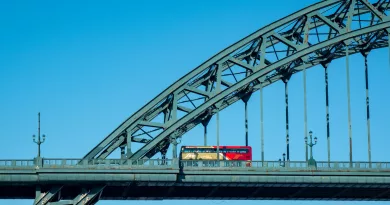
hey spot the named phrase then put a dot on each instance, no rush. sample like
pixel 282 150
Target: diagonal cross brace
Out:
pixel 330 23
pixel 241 64
pixel 286 41
pixel 45 197
pixel 87 197
pixel 197 91
pixel 374 10
pixel 112 147
pixel 152 124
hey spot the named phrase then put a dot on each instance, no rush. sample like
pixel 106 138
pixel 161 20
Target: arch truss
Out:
pixel 315 35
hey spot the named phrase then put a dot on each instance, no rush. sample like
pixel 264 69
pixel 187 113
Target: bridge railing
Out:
pixel 16 163
pixel 301 165
pixel 72 163
pixel 159 163
pixel 355 165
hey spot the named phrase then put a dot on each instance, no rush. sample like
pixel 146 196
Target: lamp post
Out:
pixel 39 141
pixel 284 160
pixel 311 161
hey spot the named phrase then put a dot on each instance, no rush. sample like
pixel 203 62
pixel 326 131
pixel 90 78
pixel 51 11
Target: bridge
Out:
pixel 123 179
pixel 313 37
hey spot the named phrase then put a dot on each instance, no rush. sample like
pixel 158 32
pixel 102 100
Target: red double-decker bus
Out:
pixel 234 153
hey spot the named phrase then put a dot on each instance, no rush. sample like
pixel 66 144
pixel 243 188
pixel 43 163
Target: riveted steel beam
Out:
pixel 286 41
pixel 242 64
pixel 152 124
pixel 330 23
pixel 184 109
pixel 375 11
pixel 112 147
pixel 197 91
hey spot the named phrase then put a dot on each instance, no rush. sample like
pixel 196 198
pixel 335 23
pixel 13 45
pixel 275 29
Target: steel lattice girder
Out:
pixel 261 60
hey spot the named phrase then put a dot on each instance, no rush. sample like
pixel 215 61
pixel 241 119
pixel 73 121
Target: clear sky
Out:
pixel 87 66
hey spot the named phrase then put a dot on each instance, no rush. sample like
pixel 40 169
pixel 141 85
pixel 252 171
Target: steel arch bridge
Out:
pixel 315 35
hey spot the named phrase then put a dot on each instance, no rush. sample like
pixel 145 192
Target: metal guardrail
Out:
pixel 289 165
pixel 16 163
pixel 103 163
pixel 355 165
pixel 59 163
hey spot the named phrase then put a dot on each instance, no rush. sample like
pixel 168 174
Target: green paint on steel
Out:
pixel 264 73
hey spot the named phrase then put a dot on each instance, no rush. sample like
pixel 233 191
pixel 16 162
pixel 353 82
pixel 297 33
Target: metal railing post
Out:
pixel 38 161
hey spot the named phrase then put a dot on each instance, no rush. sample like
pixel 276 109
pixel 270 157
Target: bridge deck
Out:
pixel 200 180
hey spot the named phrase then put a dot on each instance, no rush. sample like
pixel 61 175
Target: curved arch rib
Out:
pixel 280 49
pixel 221 97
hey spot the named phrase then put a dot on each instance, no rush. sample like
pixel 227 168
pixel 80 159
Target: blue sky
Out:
pixel 87 66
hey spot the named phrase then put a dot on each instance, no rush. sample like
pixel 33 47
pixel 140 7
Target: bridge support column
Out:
pixel 305 41
pixel 128 145
pixel 287 131
pixel 217 90
pixel 327 112
pixel 348 27
pixel 367 109
pixel 246 123
pixel 261 123
pixel 285 80
pixel 305 110
pixel 349 105
pixel 218 158
pixel 245 99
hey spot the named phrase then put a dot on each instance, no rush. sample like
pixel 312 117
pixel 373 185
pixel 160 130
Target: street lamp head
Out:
pixel 311 132
pixel 284 155
pixel 33 137
pixel 315 139
pixel 306 139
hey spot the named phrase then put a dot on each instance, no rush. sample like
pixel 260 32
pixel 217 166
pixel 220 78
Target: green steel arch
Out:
pixel 315 35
